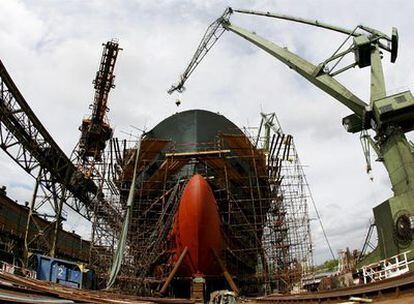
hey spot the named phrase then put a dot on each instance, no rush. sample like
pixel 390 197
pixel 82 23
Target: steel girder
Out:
pixel 29 144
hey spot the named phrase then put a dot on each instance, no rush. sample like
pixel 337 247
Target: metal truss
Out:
pixel 58 180
pixel 29 144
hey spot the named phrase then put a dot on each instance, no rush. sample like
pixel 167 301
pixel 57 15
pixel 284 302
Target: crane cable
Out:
pixel 319 218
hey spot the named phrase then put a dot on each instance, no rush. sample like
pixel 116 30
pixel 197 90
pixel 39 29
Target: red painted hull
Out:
pixel 197 226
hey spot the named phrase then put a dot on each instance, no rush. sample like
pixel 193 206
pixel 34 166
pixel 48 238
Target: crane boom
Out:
pixel 319 75
pixel 316 23
pixel 304 68
pixel 104 80
pixel 323 25
pixel 389 116
pixel 212 34
pixel 95 129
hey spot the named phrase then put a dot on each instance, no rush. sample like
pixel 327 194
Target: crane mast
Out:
pixel 58 180
pixel 389 116
pixel 96 130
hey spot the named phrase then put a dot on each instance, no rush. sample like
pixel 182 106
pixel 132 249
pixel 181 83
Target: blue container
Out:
pixel 58 271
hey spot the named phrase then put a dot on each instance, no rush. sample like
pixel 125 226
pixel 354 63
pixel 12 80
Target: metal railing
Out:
pixel 388 268
pixel 13 269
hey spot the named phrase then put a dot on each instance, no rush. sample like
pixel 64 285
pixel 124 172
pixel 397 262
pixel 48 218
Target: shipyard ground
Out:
pixel 16 289
pixel 401 299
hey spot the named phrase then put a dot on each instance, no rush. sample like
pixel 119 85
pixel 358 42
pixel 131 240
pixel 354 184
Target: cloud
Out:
pixel 52 50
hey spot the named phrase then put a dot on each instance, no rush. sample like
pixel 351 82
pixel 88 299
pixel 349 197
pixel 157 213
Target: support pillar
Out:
pixel 174 271
pixel 226 274
pixel 197 289
pixel 29 219
pixel 58 217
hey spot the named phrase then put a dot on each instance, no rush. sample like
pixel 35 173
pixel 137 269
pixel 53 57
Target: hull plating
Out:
pixel 197 227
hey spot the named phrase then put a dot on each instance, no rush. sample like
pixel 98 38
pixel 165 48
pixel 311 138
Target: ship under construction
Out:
pixel 207 205
pixel 197 204
pixel 210 204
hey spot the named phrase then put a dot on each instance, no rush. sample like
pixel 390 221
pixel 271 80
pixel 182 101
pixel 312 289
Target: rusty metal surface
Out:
pixel 387 288
pixel 13 219
pixel 21 297
pixel 35 288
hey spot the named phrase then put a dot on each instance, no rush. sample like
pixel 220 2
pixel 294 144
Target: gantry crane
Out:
pixel 389 116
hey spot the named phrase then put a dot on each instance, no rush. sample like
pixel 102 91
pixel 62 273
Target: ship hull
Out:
pixel 197 226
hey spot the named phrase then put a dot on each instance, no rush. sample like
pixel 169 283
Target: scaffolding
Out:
pixel 262 199
pixel 100 163
pixel 287 240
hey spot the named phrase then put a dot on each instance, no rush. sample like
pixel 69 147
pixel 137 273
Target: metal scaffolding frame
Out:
pixel 29 144
pixel 247 174
pixel 106 224
pixel 264 212
pixel 59 180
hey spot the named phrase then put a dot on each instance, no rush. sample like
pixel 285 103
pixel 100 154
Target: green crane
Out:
pixel 389 116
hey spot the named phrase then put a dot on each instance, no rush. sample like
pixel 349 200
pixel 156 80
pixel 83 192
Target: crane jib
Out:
pixel 304 68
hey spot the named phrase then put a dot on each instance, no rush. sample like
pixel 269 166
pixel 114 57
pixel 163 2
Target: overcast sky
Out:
pixel 52 49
